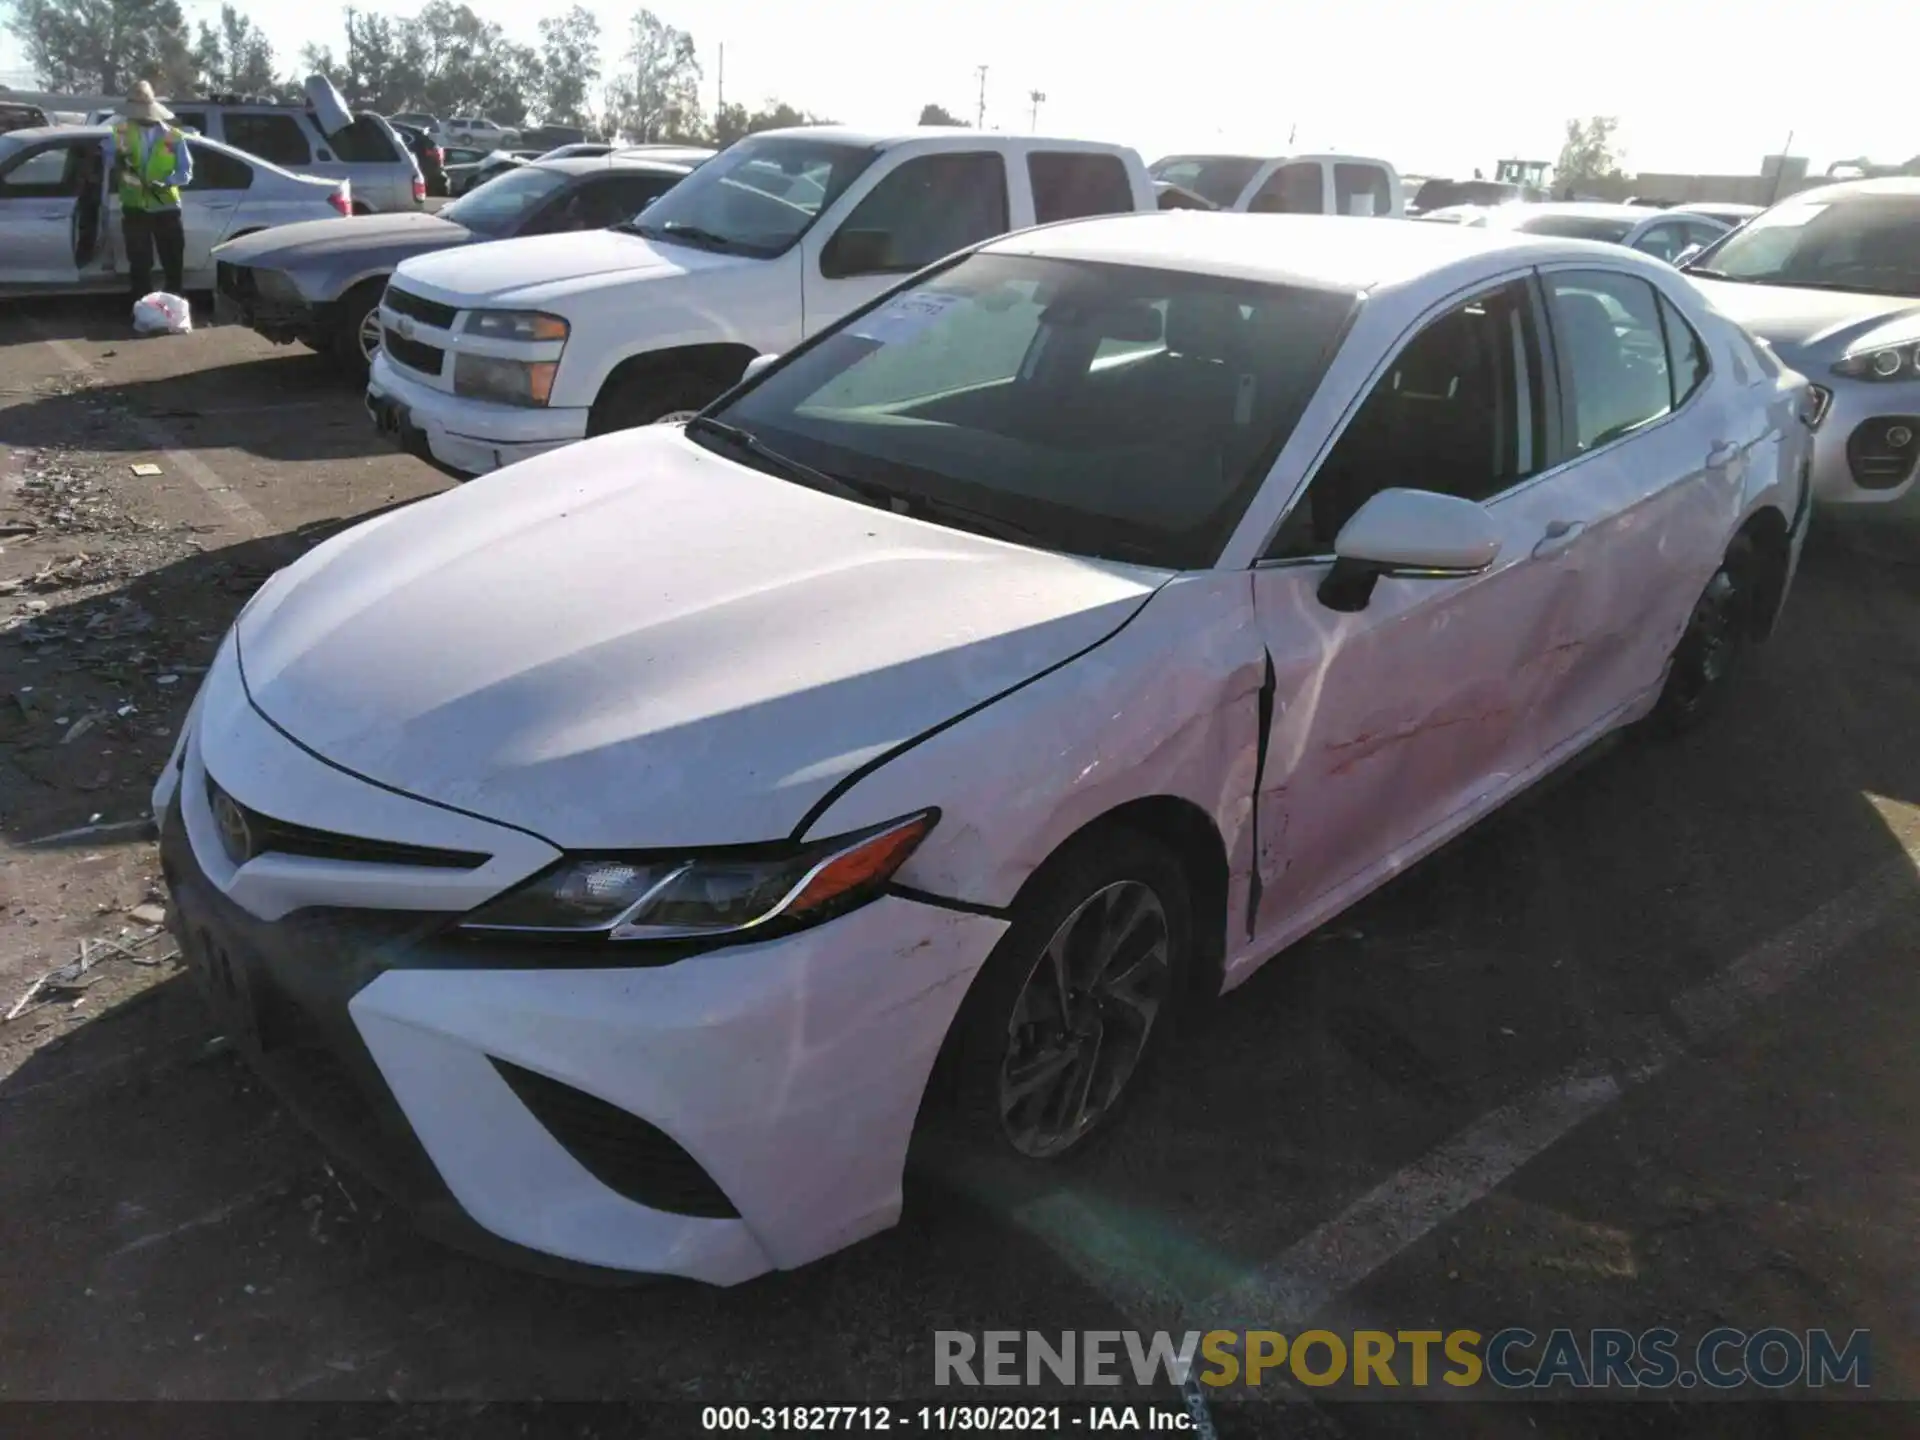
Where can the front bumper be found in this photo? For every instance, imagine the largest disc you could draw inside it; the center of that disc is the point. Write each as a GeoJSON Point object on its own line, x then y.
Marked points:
{"type": "Point", "coordinates": [1856, 407]}
{"type": "Point", "coordinates": [238, 300]}
{"type": "Point", "coordinates": [470, 437]}
{"type": "Point", "coordinates": [786, 1075]}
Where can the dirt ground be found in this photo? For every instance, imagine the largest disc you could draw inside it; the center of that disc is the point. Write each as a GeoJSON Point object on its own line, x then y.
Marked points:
{"type": "Point", "coordinates": [1639, 1052]}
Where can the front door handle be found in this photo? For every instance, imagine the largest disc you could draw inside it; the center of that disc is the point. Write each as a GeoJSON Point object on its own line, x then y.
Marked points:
{"type": "Point", "coordinates": [1722, 455]}
{"type": "Point", "coordinates": [1560, 534]}
{"type": "Point", "coordinates": [218, 205]}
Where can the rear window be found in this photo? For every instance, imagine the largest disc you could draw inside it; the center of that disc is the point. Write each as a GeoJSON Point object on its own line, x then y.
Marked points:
{"type": "Point", "coordinates": [1067, 186]}
{"type": "Point", "coordinates": [364, 142]}
{"type": "Point", "coordinates": [275, 136]}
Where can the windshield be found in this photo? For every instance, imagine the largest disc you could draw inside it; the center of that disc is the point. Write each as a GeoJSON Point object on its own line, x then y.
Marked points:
{"type": "Point", "coordinates": [498, 206]}
{"type": "Point", "coordinates": [1219, 178]}
{"type": "Point", "coordinates": [1101, 410]}
{"type": "Point", "coordinates": [1577, 227]}
{"type": "Point", "coordinates": [757, 197]}
{"type": "Point", "coordinates": [1868, 243]}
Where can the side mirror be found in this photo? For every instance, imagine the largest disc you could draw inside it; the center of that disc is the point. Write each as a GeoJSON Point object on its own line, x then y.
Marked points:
{"type": "Point", "coordinates": [756, 365]}
{"type": "Point", "coordinates": [857, 252]}
{"type": "Point", "coordinates": [1410, 533]}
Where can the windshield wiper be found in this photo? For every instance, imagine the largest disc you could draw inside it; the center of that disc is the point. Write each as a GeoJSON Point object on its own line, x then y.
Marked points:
{"type": "Point", "coordinates": [793, 469]}
{"type": "Point", "coordinates": [684, 233]}
{"type": "Point", "coordinates": [1711, 274]}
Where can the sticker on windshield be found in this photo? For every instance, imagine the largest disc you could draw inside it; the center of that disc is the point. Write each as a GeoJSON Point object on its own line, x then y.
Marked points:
{"type": "Point", "coordinates": [905, 315]}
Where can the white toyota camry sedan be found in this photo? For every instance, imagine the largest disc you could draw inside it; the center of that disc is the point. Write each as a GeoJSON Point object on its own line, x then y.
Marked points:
{"type": "Point", "coordinates": [624, 855]}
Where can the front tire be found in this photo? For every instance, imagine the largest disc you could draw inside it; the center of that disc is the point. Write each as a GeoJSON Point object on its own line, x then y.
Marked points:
{"type": "Point", "coordinates": [1064, 1023]}
{"type": "Point", "coordinates": [652, 397]}
{"type": "Point", "coordinates": [1713, 647]}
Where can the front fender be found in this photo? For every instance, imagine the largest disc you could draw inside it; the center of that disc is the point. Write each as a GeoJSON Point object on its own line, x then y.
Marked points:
{"type": "Point", "coordinates": [1167, 706]}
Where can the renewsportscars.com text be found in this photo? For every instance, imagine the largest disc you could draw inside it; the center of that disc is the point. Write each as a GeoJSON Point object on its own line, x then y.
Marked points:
{"type": "Point", "coordinates": [1513, 1358]}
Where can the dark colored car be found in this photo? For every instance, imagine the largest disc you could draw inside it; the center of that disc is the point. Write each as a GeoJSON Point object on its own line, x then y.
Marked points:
{"type": "Point", "coordinates": [320, 283]}
{"type": "Point", "coordinates": [18, 115]}
{"type": "Point", "coordinates": [427, 154]}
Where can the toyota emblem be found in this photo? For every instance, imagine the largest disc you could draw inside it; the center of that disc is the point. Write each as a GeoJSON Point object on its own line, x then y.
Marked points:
{"type": "Point", "coordinates": [235, 838]}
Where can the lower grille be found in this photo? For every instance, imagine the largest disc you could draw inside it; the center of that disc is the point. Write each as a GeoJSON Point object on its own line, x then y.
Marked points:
{"type": "Point", "coordinates": [411, 353]}
{"type": "Point", "coordinates": [1881, 452]}
{"type": "Point", "coordinates": [619, 1149]}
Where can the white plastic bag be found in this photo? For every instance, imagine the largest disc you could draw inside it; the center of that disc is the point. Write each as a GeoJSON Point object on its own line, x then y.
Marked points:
{"type": "Point", "coordinates": [162, 314]}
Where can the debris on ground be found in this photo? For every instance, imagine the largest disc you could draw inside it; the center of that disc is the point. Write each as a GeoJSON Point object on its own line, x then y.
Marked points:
{"type": "Point", "coordinates": [145, 470]}
{"type": "Point", "coordinates": [61, 982]}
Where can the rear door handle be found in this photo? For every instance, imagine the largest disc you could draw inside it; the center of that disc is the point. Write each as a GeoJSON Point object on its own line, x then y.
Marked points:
{"type": "Point", "coordinates": [1722, 455]}
{"type": "Point", "coordinates": [1560, 534]}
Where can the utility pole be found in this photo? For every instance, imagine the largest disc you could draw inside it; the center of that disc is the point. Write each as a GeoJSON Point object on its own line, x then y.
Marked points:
{"type": "Point", "coordinates": [980, 113]}
{"type": "Point", "coordinates": [1036, 96]}
{"type": "Point", "coordinates": [720, 88]}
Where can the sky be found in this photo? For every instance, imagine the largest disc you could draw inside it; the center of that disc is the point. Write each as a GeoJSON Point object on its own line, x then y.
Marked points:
{"type": "Point", "coordinates": [1431, 89]}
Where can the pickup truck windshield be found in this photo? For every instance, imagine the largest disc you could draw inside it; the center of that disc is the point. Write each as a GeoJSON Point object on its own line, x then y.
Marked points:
{"type": "Point", "coordinates": [496, 208]}
{"type": "Point", "coordinates": [1103, 410]}
{"type": "Point", "coordinates": [1219, 178]}
{"type": "Point", "coordinates": [1867, 243]}
{"type": "Point", "coordinates": [756, 197]}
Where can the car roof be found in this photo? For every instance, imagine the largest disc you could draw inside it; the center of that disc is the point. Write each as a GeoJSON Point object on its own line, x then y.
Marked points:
{"type": "Point", "coordinates": [601, 164]}
{"type": "Point", "coordinates": [1333, 252]}
{"type": "Point", "coordinates": [1850, 189]}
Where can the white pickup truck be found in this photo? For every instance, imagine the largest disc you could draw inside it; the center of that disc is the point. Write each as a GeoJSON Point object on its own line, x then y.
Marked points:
{"type": "Point", "coordinates": [1287, 184]}
{"type": "Point", "coordinates": [497, 352]}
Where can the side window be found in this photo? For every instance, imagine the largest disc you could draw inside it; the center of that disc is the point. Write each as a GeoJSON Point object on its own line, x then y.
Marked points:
{"type": "Point", "coordinates": [363, 142]}
{"type": "Point", "coordinates": [273, 135]}
{"type": "Point", "coordinates": [922, 212]}
{"type": "Point", "coordinates": [217, 170]}
{"type": "Point", "coordinates": [1067, 186]}
{"type": "Point", "coordinates": [1664, 241]}
{"type": "Point", "coordinates": [1361, 190]}
{"type": "Point", "coordinates": [1608, 328]}
{"type": "Point", "coordinates": [1698, 234]}
{"type": "Point", "coordinates": [1460, 410]}
{"type": "Point", "coordinates": [194, 120]}
{"type": "Point", "coordinates": [47, 174]}
{"type": "Point", "coordinates": [1291, 190]}
{"type": "Point", "coordinates": [1686, 354]}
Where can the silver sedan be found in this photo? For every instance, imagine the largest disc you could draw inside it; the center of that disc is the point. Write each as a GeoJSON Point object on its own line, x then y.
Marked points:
{"type": "Point", "coordinates": [60, 219]}
{"type": "Point", "coordinates": [1664, 234]}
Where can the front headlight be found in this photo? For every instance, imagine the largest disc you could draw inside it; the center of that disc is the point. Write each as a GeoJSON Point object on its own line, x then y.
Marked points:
{"type": "Point", "coordinates": [516, 325]}
{"type": "Point", "coordinates": [510, 382]}
{"type": "Point", "coordinates": [1881, 362]}
{"type": "Point", "coordinates": [690, 897]}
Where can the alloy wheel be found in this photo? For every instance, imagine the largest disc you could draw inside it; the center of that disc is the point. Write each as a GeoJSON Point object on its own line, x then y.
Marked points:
{"type": "Point", "coordinates": [370, 334]}
{"type": "Point", "coordinates": [1081, 1021]}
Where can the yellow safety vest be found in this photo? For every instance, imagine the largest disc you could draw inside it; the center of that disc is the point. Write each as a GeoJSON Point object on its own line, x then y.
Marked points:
{"type": "Point", "coordinates": [143, 178]}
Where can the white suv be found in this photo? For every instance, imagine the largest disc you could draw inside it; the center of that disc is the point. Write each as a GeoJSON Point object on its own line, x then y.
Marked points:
{"type": "Point", "coordinates": [506, 350]}
{"type": "Point", "coordinates": [476, 132]}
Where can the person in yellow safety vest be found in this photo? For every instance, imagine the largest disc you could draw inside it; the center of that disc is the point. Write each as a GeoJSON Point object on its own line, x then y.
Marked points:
{"type": "Point", "coordinates": [150, 162]}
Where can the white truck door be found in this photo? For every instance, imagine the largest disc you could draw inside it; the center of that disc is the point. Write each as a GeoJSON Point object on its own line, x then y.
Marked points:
{"type": "Point", "coordinates": [898, 220]}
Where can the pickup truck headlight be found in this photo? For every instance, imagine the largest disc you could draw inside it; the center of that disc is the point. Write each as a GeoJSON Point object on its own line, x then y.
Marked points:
{"type": "Point", "coordinates": [510, 382]}
{"type": "Point", "coordinates": [516, 325]}
{"type": "Point", "coordinates": [1881, 362]}
{"type": "Point", "coordinates": [763, 889]}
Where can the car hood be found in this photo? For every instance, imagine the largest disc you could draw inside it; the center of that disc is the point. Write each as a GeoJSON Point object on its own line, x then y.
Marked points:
{"type": "Point", "coordinates": [398, 235]}
{"type": "Point", "coordinates": [1805, 325]}
{"type": "Point", "coordinates": [542, 268]}
{"type": "Point", "coordinates": [634, 642]}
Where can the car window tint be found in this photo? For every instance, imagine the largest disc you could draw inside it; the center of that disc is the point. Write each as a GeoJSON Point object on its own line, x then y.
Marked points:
{"type": "Point", "coordinates": [1686, 353]}
{"type": "Point", "coordinates": [1362, 190]}
{"type": "Point", "coordinates": [1067, 186]}
{"type": "Point", "coordinates": [1663, 241]}
{"type": "Point", "coordinates": [274, 136]}
{"type": "Point", "coordinates": [1607, 327]}
{"type": "Point", "coordinates": [925, 210]}
{"type": "Point", "coordinates": [44, 175]}
{"type": "Point", "coordinates": [1291, 190]}
{"type": "Point", "coordinates": [1461, 410]}
{"type": "Point", "coordinates": [217, 170]}
{"type": "Point", "coordinates": [195, 120]}
{"type": "Point", "coordinates": [364, 142]}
